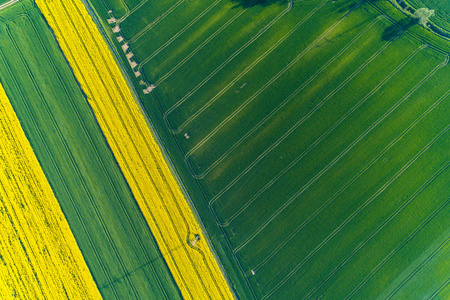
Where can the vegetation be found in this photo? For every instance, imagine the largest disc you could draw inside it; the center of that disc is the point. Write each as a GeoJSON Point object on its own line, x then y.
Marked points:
{"type": "Point", "coordinates": [423, 14]}
{"type": "Point", "coordinates": [180, 238]}
{"type": "Point", "coordinates": [312, 134]}
{"type": "Point", "coordinates": [39, 256]}
{"type": "Point", "coordinates": [441, 8]}
{"type": "Point", "coordinates": [105, 219]}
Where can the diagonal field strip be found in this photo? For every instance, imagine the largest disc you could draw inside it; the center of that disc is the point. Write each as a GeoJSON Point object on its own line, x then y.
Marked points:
{"type": "Point", "coordinates": [249, 100]}
{"type": "Point", "coordinates": [72, 159]}
{"type": "Point", "coordinates": [179, 33]}
{"type": "Point", "coordinates": [40, 258]}
{"type": "Point", "coordinates": [110, 183]}
{"type": "Point", "coordinates": [356, 212]}
{"type": "Point", "coordinates": [351, 181]}
{"type": "Point", "coordinates": [253, 64]}
{"type": "Point", "coordinates": [378, 229]}
{"type": "Point", "coordinates": [155, 22]}
{"type": "Point", "coordinates": [417, 269]}
{"type": "Point", "coordinates": [399, 247]}
{"type": "Point", "coordinates": [61, 177]}
{"type": "Point", "coordinates": [285, 101]}
{"type": "Point", "coordinates": [212, 36]}
{"type": "Point", "coordinates": [338, 158]}
{"type": "Point", "coordinates": [157, 192]}
{"type": "Point", "coordinates": [326, 133]}
{"type": "Point", "coordinates": [301, 121]}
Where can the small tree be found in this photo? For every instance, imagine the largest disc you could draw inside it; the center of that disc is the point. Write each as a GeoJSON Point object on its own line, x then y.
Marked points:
{"type": "Point", "coordinates": [423, 14]}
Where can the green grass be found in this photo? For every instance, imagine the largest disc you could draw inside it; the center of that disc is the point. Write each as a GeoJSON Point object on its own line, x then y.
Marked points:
{"type": "Point", "coordinates": [317, 150]}
{"type": "Point", "coordinates": [110, 230]}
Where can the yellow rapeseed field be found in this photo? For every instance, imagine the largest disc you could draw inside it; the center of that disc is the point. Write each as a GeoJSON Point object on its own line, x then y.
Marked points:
{"type": "Point", "coordinates": [39, 257]}
{"type": "Point", "coordinates": [157, 192]}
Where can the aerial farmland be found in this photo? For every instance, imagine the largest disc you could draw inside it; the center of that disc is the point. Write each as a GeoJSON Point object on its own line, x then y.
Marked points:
{"type": "Point", "coordinates": [109, 228]}
{"type": "Point", "coordinates": [227, 149]}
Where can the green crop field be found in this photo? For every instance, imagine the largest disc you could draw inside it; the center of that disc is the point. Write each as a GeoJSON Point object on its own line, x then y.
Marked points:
{"type": "Point", "coordinates": [110, 230]}
{"type": "Point", "coordinates": [312, 136]}
{"type": "Point", "coordinates": [440, 7]}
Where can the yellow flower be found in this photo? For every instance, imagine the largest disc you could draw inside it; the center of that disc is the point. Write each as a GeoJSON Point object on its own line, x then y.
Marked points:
{"type": "Point", "coordinates": [39, 257]}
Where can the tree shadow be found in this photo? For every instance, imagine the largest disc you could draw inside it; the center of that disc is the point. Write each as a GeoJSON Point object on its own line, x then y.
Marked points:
{"type": "Point", "coordinates": [251, 3]}
{"type": "Point", "coordinates": [345, 6]}
{"type": "Point", "coordinates": [397, 29]}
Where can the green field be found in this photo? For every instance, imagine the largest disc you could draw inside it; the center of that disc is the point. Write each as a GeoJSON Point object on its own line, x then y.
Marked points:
{"type": "Point", "coordinates": [312, 136]}
{"type": "Point", "coordinates": [111, 232]}
{"type": "Point", "coordinates": [441, 8]}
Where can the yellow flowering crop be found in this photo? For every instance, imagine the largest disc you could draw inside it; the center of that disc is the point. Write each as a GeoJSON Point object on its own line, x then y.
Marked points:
{"type": "Point", "coordinates": [158, 194]}
{"type": "Point", "coordinates": [39, 257]}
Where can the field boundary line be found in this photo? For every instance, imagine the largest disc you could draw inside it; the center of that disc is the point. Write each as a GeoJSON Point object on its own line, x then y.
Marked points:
{"type": "Point", "coordinates": [100, 160]}
{"type": "Point", "coordinates": [131, 11]}
{"type": "Point", "coordinates": [338, 158]}
{"type": "Point", "coordinates": [399, 247]}
{"type": "Point", "coordinates": [179, 33]}
{"type": "Point", "coordinates": [236, 53]}
{"type": "Point", "coordinates": [83, 224]}
{"type": "Point", "coordinates": [158, 19]}
{"type": "Point", "coordinates": [301, 121]}
{"type": "Point", "coordinates": [378, 229]}
{"type": "Point", "coordinates": [351, 181]}
{"type": "Point", "coordinates": [356, 212]}
{"type": "Point", "coordinates": [146, 167]}
{"type": "Point", "coordinates": [211, 37]}
{"type": "Point", "coordinates": [101, 117]}
{"type": "Point", "coordinates": [328, 131]}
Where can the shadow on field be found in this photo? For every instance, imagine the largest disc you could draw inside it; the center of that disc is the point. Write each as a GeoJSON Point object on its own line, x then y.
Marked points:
{"type": "Point", "coordinates": [250, 3]}
{"type": "Point", "coordinates": [345, 6]}
{"type": "Point", "coordinates": [395, 29]}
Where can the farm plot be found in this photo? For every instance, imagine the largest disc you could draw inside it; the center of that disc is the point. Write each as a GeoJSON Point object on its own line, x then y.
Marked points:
{"type": "Point", "coordinates": [109, 228]}
{"type": "Point", "coordinates": [39, 256]}
{"type": "Point", "coordinates": [182, 242]}
{"type": "Point", "coordinates": [317, 132]}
